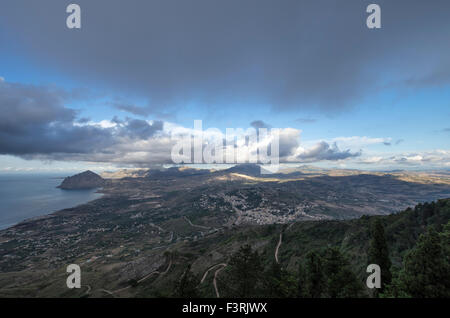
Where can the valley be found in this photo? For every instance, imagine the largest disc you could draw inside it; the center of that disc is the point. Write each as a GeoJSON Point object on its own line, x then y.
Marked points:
{"type": "Point", "coordinates": [137, 239]}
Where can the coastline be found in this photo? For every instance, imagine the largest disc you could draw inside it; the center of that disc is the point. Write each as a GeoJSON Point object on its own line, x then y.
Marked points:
{"type": "Point", "coordinates": [51, 213]}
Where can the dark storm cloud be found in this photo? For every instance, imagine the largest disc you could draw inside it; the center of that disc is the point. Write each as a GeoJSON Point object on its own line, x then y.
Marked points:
{"type": "Point", "coordinates": [286, 53]}
{"type": "Point", "coordinates": [35, 121]}
{"type": "Point", "coordinates": [36, 124]}
{"type": "Point", "coordinates": [141, 129]}
{"type": "Point", "coordinates": [28, 105]}
{"type": "Point", "coordinates": [55, 138]}
{"type": "Point", "coordinates": [323, 151]}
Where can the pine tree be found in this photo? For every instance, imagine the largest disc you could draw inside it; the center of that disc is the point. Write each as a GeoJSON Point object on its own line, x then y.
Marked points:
{"type": "Point", "coordinates": [279, 283]}
{"type": "Point", "coordinates": [379, 254]}
{"type": "Point", "coordinates": [272, 281]}
{"type": "Point", "coordinates": [340, 279]}
{"type": "Point", "coordinates": [186, 287]}
{"type": "Point", "coordinates": [445, 241]}
{"type": "Point", "coordinates": [395, 288]}
{"type": "Point", "coordinates": [314, 279]}
{"type": "Point", "coordinates": [244, 273]}
{"type": "Point", "coordinates": [301, 285]}
{"type": "Point", "coordinates": [426, 270]}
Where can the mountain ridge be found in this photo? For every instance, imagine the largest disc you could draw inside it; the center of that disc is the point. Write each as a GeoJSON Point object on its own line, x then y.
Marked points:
{"type": "Point", "coordinates": [83, 180]}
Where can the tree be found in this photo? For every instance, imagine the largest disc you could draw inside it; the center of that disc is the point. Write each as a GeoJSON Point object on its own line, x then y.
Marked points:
{"type": "Point", "coordinates": [244, 273]}
{"type": "Point", "coordinates": [279, 283]}
{"type": "Point", "coordinates": [314, 279]}
{"type": "Point", "coordinates": [186, 287]}
{"type": "Point", "coordinates": [394, 289]}
{"type": "Point", "coordinates": [426, 271]}
{"type": "Point", "coordinates": [445, 242]}
{"type": "Point", "coordinates": [340, 280]}
{"type": "Point", "coordinates": [301, 286]}
{"type": "Point", "coordinates": [378, 253]}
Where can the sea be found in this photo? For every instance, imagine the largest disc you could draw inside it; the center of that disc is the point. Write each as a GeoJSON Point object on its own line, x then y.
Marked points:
{"type": "Point", "coordinates": [28, 195]}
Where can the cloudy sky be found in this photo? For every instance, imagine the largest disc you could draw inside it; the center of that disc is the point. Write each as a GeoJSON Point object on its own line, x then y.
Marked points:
{"type": "Point", "coordinates": [112, 93]}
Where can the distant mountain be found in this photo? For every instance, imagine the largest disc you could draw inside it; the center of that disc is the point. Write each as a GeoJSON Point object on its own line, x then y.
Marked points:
{"type": "Point", "coordinates": [176, 172]}
{"type": "Point", "coordinates": [84, 180]}
{"type": "Point", "coordinates": [255, 170]}
{"type": "Point", "coordinates": [249, 169]}
{"type": "Point", "coordinates": [125, 173]}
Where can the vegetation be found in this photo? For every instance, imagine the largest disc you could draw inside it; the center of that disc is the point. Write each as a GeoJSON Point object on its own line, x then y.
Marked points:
{"type": "Point", "coordinates": [279, 283]}
{"type": "Point", "coordinates": [378, 254]}
{"type": "Point", "coordinates": [339, 278]}
{"type": "Point", "coordinates": [244, 277]}
{"type": "Point", "coordinates": [314, 281]}
{"type": "Point", "coordinates": [326, 258]}
{"type": "Point", "coordinates": [186, 287]}
{"type": "Point", "coordinates": [423, 269]}
{"type": "Point", "coordinates": [426, 271]}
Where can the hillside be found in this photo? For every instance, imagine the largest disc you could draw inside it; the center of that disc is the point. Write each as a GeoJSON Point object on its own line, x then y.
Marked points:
{"type": "Point", "coordinates": [84, 180]}
{"type": "Point", "coordinates": [149, 266]}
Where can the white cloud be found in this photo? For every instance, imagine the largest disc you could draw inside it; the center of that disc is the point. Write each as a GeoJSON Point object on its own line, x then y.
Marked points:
{"type": "Point", "coordinates": [373, 159]}
{"type": "Point", "coordinates": [359, 141]}
{"type": "Point", "coordinates": [427, 159]}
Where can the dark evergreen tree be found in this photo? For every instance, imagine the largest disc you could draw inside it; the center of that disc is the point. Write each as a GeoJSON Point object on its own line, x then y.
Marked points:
{"type": "Point", "coordinates": [426, 270]}
{"type": "Point", "coordinates": [186, 287]}
{"type": "Point", "coordinates": [394, 289]}
{"type": "Point", "coordinates": [378, 253]}
{"type": "Point", "coordinates": [245, 271]}
{"type": "Point", "coordinates": [279, 283]}
{"type": "Point", "coordinates": [272, 281]}
{"type": "Point", "coordinates": [314, 283]}
{"type": "Point", "coordinates": [445, 242]}
{"type": "Point", "coordinates": [340, 280]}
{"type": "Point", "coordinates": [301, 286]}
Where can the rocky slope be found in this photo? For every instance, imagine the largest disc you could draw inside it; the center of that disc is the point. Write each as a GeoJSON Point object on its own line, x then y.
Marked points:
{"type": "Point", "coordinates": [84, 180]}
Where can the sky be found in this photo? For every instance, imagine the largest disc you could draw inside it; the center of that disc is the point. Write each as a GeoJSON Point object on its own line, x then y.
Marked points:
{"type": "Point", "coordinates": [114, 93]}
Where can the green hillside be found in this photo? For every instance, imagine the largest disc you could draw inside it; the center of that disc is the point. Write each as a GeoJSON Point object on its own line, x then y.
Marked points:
{"type": "Point", "coordinates": [351, 237]}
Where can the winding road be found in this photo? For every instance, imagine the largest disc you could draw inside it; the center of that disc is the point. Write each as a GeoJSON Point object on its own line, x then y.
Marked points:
{"type": "Point", "coordinates": [222, 266]}
{"type": "Point", "coordinates": [278, 247]}
{"type": "Point", "coordinates": [112, 293]}
{"type": "Point", "coordinates": [195, 225]}
{"type": "Point", "coordinates": [207, 271]}
{"type": "Point", "coordinates": [215, 279]}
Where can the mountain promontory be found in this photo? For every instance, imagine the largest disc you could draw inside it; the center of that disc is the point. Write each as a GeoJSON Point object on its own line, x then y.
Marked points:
{"type": "Point", "coordinates": [84, 180]}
